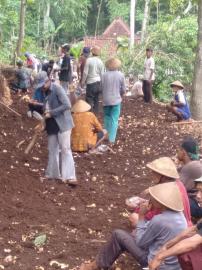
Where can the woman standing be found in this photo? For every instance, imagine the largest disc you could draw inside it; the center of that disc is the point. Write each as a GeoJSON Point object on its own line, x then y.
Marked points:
{"type": "Point", "coordinates": [113, 88]}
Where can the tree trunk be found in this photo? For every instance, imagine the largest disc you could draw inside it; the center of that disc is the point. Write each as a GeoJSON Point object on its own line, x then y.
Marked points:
{"type": "Point", "coordinates": [45, 21]}
{"type": "Point", "coordinates": [145, 20]}
{"type": "Point", "coordinates": [132, 23]}
{"type": "Point", "coordinates": [22, 27]}
{"type": "Point", "coordinates": [98, 18]}
{"type": "Point", "coordinates": [196, 95]}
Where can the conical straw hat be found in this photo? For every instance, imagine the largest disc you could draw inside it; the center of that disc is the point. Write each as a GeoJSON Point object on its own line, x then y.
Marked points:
{"type": "Point", "coordinates": [168, 194]}
{"type": "Point", "coordinates": [113, 64]}
{"type": "Point", "coordinates": [81, 106]}
{"type": "Point", "coordinates": [178, 84]}
{"type": "Point", "coordinates": [164, 166]}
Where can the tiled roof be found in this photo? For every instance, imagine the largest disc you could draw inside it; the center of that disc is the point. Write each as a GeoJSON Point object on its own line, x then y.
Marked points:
{"type": "Point", "coordinates": [117, 28]}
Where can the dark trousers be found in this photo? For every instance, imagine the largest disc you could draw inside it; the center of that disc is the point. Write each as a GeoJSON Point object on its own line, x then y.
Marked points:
{"type": "Point", "coordinates": [36, 107]}
{"type": "Point", "coordinates": [121, 241]}
{"type": "Point", "coordinates": [147, 91]}
{"type": "Point", "coordinates": [92, 96]}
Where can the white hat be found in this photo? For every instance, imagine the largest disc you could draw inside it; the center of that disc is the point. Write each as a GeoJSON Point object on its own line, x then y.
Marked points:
{"type": "Point", "coordinates": [199, 180]}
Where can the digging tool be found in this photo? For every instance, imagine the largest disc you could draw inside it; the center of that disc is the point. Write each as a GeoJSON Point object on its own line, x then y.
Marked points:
{"type": "Point", "coordinates": [11, 110]}
{"type": "Point", "coordinates": [188, 122]}
{"type": "Point", "coordinates": [38, 129]}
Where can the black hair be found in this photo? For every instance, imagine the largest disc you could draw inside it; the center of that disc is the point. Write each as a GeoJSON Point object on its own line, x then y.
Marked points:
{"type": "Point", "coordinates": [149, 50]}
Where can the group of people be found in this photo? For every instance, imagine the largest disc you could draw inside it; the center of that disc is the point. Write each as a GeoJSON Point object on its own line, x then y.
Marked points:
{"type": "Point", "coordinates": [163, 212]}
{"type": "Point", "coordinates": [162, 219]}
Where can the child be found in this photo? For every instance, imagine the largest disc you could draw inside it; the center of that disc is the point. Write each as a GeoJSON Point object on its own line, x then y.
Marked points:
{"type": "Point", "coordinates": [179, 106]}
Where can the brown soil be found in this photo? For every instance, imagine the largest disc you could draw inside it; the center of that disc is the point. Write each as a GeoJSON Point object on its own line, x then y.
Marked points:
{"type": "Point", "coordinates": [76, 221]}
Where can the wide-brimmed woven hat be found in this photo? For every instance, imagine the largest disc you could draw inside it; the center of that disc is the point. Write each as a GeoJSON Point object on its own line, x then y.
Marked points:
{"type": "Point", "coordinates": [164, 166]}
{"type": "Point", "coordinates": [168, 194]}
{"type": "Point", "coordinates": [96, 50]}
{"type": "Point", "coordinates": [178, 84]}
{"type": "Point", "coordinates": [113, 63]}
{"type": "Point", "coordinates": [81, 106]}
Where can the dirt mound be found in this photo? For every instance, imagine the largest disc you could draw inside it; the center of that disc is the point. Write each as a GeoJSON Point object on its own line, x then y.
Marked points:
{"type": "Point", "coordinates": [75, 221]}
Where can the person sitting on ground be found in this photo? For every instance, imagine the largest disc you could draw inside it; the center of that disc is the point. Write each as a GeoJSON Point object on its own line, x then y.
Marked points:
{"type": "Point", "coordinates": [188, 154]}
{"type": "Point", "coordinates": [36, 104]}
{"type": "Point", "coordinates": [196, 199]}
{"type": "Point", "coordinates": [188, 243]}
{"type": "Point", "coordinates": [179, 106]}
{"type": "Point", "coordinates": [23, 77]}
{"type": "Point", "coordinates": [113, 88]}
{"type": "Point", "coordinates": [163, 171]}
{"type": "Point", "coordinates": [87, 132]}
{"type": "Point", "coordinates": [136, 90]}
{"type": "Point", "coordinates": [145, 241]}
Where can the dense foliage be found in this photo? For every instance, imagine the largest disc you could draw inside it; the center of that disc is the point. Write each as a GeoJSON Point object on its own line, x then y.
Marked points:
{"type": "Point", "coordinates": [49, 23]}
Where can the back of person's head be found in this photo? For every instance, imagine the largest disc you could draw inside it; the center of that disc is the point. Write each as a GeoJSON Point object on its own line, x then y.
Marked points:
{"type": "Point", "coordinates": [66, 47]}
{"type": "Point", "coordinates": [51, 62]}
{"type": "Point", "coordinates": [190, 145]}
{"type": "Point", "coordinates": [19, 63]}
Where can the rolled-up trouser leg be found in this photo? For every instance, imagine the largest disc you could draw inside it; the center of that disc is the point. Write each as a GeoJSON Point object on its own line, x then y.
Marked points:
{"type": "Point", "coordinates": [67, 161]}
{"type": "Point", "coordinates": [53, 170]}
{"type": "Point", "coordinates": [120, 242]}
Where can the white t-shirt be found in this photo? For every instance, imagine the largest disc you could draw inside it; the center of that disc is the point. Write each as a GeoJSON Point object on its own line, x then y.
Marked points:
{"type": "Point", "coordinates": [181, 97]}
{"type": "Point", "coordinates": [137, 89]}
{"type": "Point", "coordinates": [149, 65]}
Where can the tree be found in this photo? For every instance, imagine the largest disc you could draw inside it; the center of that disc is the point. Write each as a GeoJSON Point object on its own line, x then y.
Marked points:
{"type": "Point", "coordinates": [132, 23]}
{"type": "Point", "coordinates": [145, 20]}
{"type": "Point", "coordinates": [21, 27]}
{"type": "Point", "coordinates": [196, 96]}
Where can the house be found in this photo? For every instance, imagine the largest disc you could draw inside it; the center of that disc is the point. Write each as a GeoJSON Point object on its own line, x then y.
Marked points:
{"type": "Point", "coordinates": [108, 40]}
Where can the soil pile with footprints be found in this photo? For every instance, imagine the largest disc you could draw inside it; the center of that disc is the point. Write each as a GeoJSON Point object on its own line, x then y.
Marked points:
{"type": "Point", "coordinates": [48, 225]}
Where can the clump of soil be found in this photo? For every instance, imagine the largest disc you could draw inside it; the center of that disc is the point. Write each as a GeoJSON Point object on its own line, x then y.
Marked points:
{"type": "Point", "coordinates": [76, 221]}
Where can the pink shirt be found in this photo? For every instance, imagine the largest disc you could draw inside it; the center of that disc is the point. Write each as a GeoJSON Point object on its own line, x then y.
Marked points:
{"type": "Point", "coordinates": [185, 199]}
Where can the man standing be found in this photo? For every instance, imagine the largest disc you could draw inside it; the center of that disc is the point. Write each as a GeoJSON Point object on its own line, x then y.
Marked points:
{"type": "Point", "coordinates": [65, 75]}
{"type": "Point", "coordinates": [149, 75]}
{"type": "Point", "coordinates": [59, 123]}
{"type": "Point", "coordinates": [93, 70]}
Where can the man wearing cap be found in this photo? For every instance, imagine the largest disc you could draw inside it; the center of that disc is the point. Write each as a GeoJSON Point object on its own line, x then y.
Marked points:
{"type": "Point", "coordinates": [87, 132]}
{"type": "Point", "coordinates": [65, 75]}
{"type": "Point", "coordinates": [58, 125]}
{"type": "Point", "coordinates": [23, 77]}
{"type": "Point", "coordinates": [144, 243]}
{"type": "Point", "coordinates": [82, 61]}
{"type": "Point", "coordinates": [179, 106]}
{"type": "Point", "coordinates": [93, 70]}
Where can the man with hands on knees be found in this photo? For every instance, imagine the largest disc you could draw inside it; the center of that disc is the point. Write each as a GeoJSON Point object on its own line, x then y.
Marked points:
{"type": "Point", "coordinates": [58, 125]}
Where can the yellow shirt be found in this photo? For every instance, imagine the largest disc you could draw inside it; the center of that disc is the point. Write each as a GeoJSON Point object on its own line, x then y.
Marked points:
{"type": "Point", "coordinates": [84, 134]}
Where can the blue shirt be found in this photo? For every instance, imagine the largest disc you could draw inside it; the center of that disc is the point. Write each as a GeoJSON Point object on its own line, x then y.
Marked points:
{"type": "Point", "coordinates": [184, 109]}
{"type": "Point", "coordinates": [39, 95]}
